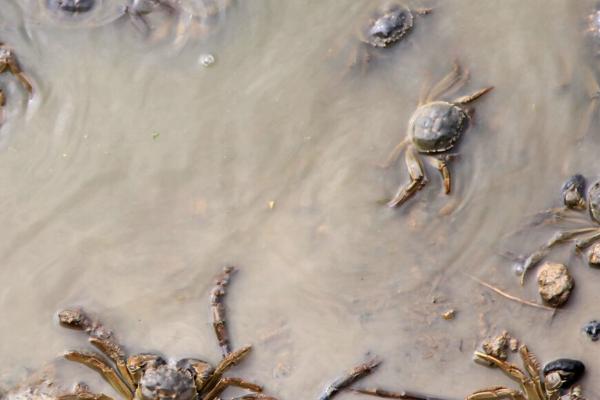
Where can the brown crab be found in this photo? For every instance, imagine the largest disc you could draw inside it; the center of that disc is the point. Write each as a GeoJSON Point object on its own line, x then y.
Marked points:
{"type": "Point", "coordinates": [387, 26]}
{"type": "Point", "coordinates": [434, 128]}
{"type": "Point", "coordinates": [151, 377]}
{"type": "Point", "coordinates": [536, 384]}
{"type": "Point", "coordinates": [8, 62]}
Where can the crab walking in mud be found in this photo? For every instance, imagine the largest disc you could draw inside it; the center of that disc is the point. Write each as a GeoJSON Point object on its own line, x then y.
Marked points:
{"type": "Point", "coordinates": [8, 62]}
{"type": "Point", "coordinates": [386, 27]}
{"type": "Point", "coordinates": [348, 379]}
{"type": "Point", "coordinates": [536, 384]}
{"type": "Point", "coordinates": [434, 128]}
{"type": "Point", "coordinates": [150, 376]}
{"type": "Point", "coordinates": [573, 192]}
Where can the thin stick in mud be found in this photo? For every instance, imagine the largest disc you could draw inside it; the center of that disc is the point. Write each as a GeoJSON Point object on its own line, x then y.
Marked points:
{"type": "Point", "coordinates": [511, 297]}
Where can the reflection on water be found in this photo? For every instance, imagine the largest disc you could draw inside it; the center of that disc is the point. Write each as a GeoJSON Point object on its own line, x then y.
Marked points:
{"type": "Point", "coordinates": [135, 173]}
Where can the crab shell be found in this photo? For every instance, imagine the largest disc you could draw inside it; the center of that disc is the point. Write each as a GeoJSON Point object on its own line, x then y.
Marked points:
{"type": "Point", "coordinates": [436, 127]}
{"type": "Point", "coordinates": [166, 382]}
{"type": "Point", "coordinates": [72, 6]}
{"type": "Point", "coordinates": [594, 201]}
{"type": "Point", "coordinates": [393, 23]}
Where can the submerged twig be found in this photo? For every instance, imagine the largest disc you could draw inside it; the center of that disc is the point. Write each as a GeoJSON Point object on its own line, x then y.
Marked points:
{"type": "Point", "coordinates": [358, 372]}
{"type": "Point", "coordinates": [510, 296]}
{"type": "Point", "coordinates": [218, 309]}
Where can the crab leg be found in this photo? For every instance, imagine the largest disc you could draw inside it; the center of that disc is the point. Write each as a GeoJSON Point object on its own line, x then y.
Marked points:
{"type": "Point", "coordinates": [395, 153]}
{"type": "Point", "coordinates": [139, 22]}
{"type": "Point", "coordinates": [229, 361]}
{"type": "Point", "coordinates": [113, 351]}
{"type": "Point", "coordinates": [82, 392]}
{"type": "Point", "coordinates": [472, 97]}
{"type": "Point", "coordinates": [442, 167]}
{"type": "Point", "coordinates": [558, 238]}
{"type": "Point", "coordinates": [16, 71]}
{"type": "Point", "coordinates": [417, 179]}
{"type": "Point", "coordinates": [532, 367]}
{"type": "Point", "coordinates": [512, 371]}
{"type": "Point", "coordinates": [217, 295]}
{"type": "Point", "coordinates": [100, 337]}
{"type": "Point", "coordinates": [226, 382]}
{"type": "Point", "coordinates": [444, 84]}
{"type": "Point", "coordinates": [95, 362]}
{"type": "Point", "coordinates": [496, 393]}
{"type": "Point", "coordinates": [386, 394]}
{"type": "Point", "coordinates": [584, 243]}
{"type": "Point", "coordinates": [349, 378]}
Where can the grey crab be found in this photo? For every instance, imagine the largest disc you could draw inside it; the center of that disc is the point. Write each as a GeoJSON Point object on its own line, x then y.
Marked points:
{"type": "Point", "coordinates": [388, 25]}
{"type": "Point", "coordinates": [149, 376]}
{"type": "Point", "coordinates": [587, 229]}
{"type": "Point", "coordinates": [434, 128]}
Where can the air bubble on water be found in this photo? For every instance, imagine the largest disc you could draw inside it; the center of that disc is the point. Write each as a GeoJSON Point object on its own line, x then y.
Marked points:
{"type": "Point", "coordinates": [206, 60]}
{"type": "Point", "coordinates": [518, 268]}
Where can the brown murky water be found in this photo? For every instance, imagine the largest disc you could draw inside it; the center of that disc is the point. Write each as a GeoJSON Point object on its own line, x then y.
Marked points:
{"type": "Point", "coordinates": [135, 173]}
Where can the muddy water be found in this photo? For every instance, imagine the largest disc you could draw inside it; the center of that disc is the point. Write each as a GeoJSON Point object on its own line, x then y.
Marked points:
{"type": "Point", "coordinates": [135, 173]}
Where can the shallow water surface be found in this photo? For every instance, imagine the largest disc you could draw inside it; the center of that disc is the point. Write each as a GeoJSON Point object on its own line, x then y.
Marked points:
{"type": "Point", "coordinates": [135, 173]}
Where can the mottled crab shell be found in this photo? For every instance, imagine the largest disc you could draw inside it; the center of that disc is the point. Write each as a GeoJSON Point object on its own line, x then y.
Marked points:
{"type": "Point", "coordinates": [167, 382]}
{"type": "Point", "coordinates": [594, 201]}
{"type": "Point", "coordinates": [436, 127]}
{"type": "Point", "coordinates": [389, 27]}
{"type": "Point", "coordinates": [71, 6]}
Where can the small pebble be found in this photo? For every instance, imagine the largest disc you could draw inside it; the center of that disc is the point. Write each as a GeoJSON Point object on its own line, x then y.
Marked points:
{"type": "Point", "coordinates": [592, 330]}
{"type": "Point", "coordinates": [554, 284]}
{"type": "Point", "coordinates": [594, 255]}
{"type": "Point", "coordinates": [449, 315]}
{"type": "Point", "coordinates": [206, 60]}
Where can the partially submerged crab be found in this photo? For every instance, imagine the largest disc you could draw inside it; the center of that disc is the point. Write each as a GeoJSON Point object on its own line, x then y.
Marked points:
{"type": "Point", "coordinates": [387, 26]}
{"type": "Point", "coordinates": [536, 384]}
{"type": "Point", "coordinates": [150, 376]}
{"type": "Point", "coordinates": [434, 128]}
{"type": "Point", "coordinates": [71, 6]}
{"type": "Point", "coordinates": [588, 230]}
{"type": "Point", "coordinates": [8, 62]}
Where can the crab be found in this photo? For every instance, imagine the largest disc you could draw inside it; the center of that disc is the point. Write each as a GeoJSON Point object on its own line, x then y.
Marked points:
{"type": "Point", "coordinates": [536, 384]}
{"type": "Point", "coordinates": [8, 62]}
{"type": "Point", "coordinates": [434, 128]}
{"type": "Point", "coordinates": [387, 26]}
{"type": "Point", "coordinates": [72, 6]}
{"type": "Point", "coordinates": [150, 376]}
{"type": "Point", "coordinates": [586, 230]}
